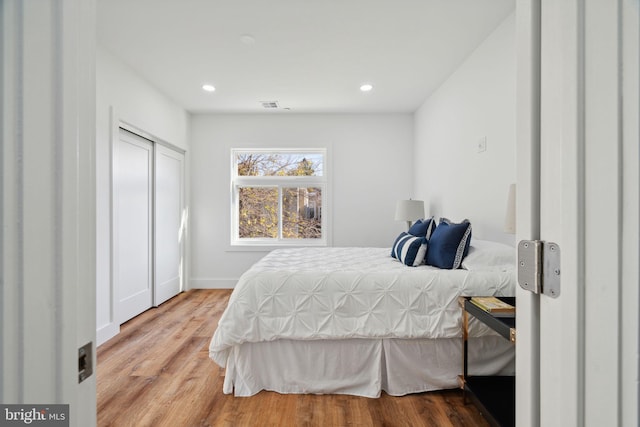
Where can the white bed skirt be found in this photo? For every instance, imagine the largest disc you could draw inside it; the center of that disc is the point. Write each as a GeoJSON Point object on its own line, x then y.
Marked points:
{"type": "Point", "coordinates": [361, 367]}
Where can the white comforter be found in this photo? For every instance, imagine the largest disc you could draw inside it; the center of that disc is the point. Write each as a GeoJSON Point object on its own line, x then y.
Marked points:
{"type": "Point", "coordinates": [333, 293]}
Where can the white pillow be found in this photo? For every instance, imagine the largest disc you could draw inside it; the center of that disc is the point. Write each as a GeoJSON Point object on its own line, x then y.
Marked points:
{"type": "Point", "coordinates": [487, 255]}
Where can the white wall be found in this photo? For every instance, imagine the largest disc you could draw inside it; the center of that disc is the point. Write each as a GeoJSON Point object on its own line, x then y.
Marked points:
{"type": "Point", "coordinates": [477, 100]}
{"type": "Point", "coordinates": [127, 97]}
{"type": "Point", "coordinates": [370, 158]}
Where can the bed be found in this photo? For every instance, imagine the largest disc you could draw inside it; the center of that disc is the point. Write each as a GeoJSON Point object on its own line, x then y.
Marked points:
{"type": "Point", "coordinates": [356, 321]}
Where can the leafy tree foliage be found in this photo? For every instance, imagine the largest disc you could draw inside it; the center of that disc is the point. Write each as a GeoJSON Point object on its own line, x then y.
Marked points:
{"type": "Point", "coordinates": [258, 206]}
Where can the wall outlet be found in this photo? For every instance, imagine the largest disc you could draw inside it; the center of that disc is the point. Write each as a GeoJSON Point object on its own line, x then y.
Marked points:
{"type": "Point", "coordinates": [482, 144]}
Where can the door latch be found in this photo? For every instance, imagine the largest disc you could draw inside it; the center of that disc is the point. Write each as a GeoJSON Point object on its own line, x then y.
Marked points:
{"type": "Point", "coordinates": [85, 361]}
{"type": "Point", "coordinates": [539, 267]}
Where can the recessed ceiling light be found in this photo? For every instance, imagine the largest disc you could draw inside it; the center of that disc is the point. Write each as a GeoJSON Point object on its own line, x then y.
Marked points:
{"type": "Point", "coordinates": [366, 87]}
{"type": "Point", "coordinates": [269, 104]}
{"type": "Point", "coordinates": [208, 88]}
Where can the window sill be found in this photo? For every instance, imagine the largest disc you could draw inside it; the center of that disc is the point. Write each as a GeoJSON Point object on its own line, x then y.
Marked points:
{"type": "Point", "coordinates": [268, 248]}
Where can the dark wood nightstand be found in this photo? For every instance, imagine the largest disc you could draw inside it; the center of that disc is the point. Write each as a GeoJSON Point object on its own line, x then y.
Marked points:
{"type": "Point", "coordinates": [495, 396]}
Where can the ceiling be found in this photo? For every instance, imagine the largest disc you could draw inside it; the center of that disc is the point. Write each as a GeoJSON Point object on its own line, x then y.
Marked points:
{"type": "Point", "coordinates": [310, 56]}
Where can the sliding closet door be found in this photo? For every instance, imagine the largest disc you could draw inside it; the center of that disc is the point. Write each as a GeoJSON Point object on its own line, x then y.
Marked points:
{"type": "Point", "coordinates": [132, 227]}
{"type": "Point", "coordinates": [168, 223]}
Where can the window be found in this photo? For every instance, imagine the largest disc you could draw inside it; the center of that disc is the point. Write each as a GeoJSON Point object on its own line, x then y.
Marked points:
{"type": "Point", "coordinates": [277, 197]}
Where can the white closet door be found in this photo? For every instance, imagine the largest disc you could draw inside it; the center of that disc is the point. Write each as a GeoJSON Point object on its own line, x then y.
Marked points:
{"type": "Point", "coordinates": [169, 224]}
{"type": "Point", "coordinates": [132, 228]}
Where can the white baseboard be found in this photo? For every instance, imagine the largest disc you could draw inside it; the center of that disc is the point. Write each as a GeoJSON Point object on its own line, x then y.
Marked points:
{"type": "Point", "coordinates": [212, 283]}
{"type": "Point", "coordinates": [106, 332]}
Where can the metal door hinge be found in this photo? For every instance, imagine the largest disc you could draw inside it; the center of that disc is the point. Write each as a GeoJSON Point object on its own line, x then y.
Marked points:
{"type": "Point", "coordinates": [539, 267]}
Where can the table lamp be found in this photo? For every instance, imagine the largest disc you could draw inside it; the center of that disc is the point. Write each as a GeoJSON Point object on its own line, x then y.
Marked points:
{"type": "Point", "coordinates": [409, 211]}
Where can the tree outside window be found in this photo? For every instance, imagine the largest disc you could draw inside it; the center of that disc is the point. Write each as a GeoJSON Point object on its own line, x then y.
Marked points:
{"type": "Point", "coordinates": [278, 196]}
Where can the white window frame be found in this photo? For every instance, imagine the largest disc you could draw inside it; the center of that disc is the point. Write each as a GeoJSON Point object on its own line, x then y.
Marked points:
{"type": "Point", "coordinates": [280, 182]}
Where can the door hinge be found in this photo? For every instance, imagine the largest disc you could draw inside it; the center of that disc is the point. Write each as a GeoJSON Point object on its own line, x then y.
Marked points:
{"type": "Point", "coordinates": [539, 267]}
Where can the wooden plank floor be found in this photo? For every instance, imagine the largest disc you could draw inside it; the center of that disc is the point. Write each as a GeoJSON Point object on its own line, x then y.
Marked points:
{"type": "Point", "coordinates": [157, 372]}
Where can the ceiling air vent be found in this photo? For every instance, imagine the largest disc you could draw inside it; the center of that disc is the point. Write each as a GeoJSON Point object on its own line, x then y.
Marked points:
{"type": "Point", "coordinates": [269, 104]}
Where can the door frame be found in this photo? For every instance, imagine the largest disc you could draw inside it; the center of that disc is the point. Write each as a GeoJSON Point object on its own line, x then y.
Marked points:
{"type": "Point", "coordinates": [577, 148]}
{"type": "Point", "coordinates": [630, 292]}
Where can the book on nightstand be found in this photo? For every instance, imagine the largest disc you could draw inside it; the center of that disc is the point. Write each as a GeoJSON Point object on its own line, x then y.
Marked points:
{"type": "Point", "coordinates": [494, 306]}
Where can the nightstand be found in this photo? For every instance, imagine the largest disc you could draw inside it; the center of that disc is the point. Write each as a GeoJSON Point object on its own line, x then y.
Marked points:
{"type": "Point", "coordinates": [495, 396]}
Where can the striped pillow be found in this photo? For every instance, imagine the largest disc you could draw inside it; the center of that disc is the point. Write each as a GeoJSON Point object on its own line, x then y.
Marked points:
{"type": "Point", "coordinates": [409, 250]}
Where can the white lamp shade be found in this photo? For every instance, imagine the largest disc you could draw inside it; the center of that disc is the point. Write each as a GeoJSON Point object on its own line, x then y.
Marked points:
{"type": "Point", "coordinates": [510, 217]}
{"type": "Point", "coordinates": [409, 210]}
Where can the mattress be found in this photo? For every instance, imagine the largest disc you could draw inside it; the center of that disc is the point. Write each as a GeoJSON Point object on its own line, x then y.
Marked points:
{"type": "Point", "coordinates": [312, 294]}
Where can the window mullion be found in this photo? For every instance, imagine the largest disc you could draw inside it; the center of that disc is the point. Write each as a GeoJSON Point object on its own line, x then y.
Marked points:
{"type": "Point", "coordinates": [280, 213]}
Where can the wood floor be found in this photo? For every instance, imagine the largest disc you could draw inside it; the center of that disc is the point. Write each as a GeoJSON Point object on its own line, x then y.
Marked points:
{"type": "Point", "coordinates": [157, 372]}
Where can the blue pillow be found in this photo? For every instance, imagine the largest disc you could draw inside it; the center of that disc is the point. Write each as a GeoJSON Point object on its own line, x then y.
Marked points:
{"type": "Point", "coordinates": [423, 228]}
{"type": "Point", "coordinates": [449, 244]}
{"type": "Point", "coordinates": [409, 250]}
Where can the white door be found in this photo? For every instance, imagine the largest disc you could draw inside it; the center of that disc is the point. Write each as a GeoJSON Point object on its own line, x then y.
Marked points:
{"type": "Point", "coordinates": [132, 225]}
{"type": "Point", "coordinates": [576, 360]}
{"type": "Point", "coordinates": [47, 206]}
{"type": "Point", "coordinates": [168, 223]}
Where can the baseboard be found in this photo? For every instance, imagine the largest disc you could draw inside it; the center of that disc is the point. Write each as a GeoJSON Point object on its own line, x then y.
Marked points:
{"type": "Point", "coordinates": [106, 332]}
{"type": "Point", "coordinates": [212, 283]}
